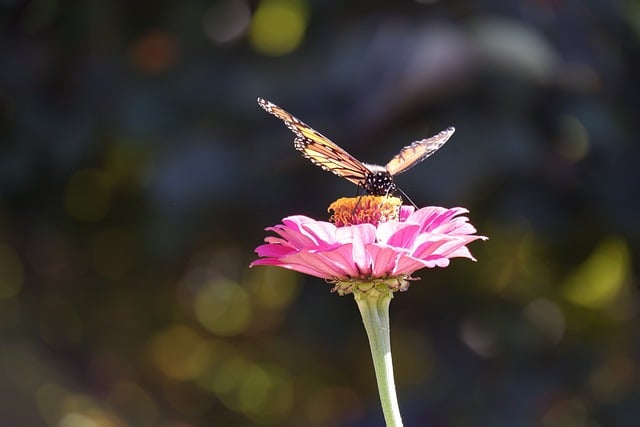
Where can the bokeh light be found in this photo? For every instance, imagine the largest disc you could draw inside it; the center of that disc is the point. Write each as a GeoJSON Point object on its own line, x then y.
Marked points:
{"type": "Point", "coordinates": [278, 26]}
{"type": "Point", "coordinates": [273, 289]}
{"type": "Point", "coordinates": [548, 320]}
{"type": "Point", "coordinates": [226, 21]}
{"type": "Point", "coordinates": [154, 52]}
{"type": "Point", "coordinates": [223, 307]}
{"type": "Point", "coordinates": [180, 352]}
{"type": "Point", "coordinates": [600, 278]}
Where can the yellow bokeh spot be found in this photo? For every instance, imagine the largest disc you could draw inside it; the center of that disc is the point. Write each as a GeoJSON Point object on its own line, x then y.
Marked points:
{"type": "Point", "coordinates": [265, 394]}
{"type": "Point", "coordinates": [277, 27]}
{"type": "Point", "coordinates": [229, 375]}
{"type": "Point", "coordinates": [273, 288]}
{"type": "Point", "coordinates": [88, 196]}
{"type": "Point", "coordinates": [600, 278]}
{"type": "Point", "coordinates": [180, 353]}
{"type": "Point", "coordinates": [254, 389]}
{"type": "Point", "coordinates": [11, 273]}
{"type": "Point", "coordinates": [223, 307]}
{"type": "Point", "coordinates": [260, 392]}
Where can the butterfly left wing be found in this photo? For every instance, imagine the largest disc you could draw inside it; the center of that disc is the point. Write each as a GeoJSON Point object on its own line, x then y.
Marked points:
{"type": "Point", "coordinates": [416, 152]}
{"type": "Point", "coordinates": [318, 148]}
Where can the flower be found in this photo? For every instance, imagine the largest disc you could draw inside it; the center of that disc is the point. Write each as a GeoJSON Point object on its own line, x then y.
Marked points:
{"type": "Point", "coordinates": [370, 249]}
{"type": "Point", "coordinates": [365, 247]}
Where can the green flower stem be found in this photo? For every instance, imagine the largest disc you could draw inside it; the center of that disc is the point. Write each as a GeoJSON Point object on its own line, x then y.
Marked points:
{"type": "Point", "coordinates": [374, 308]}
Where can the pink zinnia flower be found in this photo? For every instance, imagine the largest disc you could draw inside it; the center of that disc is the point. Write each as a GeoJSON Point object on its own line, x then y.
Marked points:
{"type": "Point", "coordinates": [373, 239]}
{"type": "Point", "coordinates": [371, 249]}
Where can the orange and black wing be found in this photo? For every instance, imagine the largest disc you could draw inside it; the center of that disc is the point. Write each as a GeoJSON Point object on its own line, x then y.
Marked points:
{"type": "Point", "coordinates": [318, 148]}
{"type": "Point", "coordinates": [416, 152]}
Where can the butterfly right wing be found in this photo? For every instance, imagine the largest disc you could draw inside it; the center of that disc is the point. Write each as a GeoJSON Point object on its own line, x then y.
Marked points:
{"type": "Point", "coordinates": [318, 148]}
{"type": "Point", "coordinates": [416, 152]}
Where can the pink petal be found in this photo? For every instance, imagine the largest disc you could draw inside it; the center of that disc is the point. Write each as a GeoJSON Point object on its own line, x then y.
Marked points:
{"type": "Point", "coordinates": [303, 268]}
{"type": "Point", "coordinates": [276, 251]}
{"type": "Point", "coordinates": [303, 231]}
{"type": "Point", "coordinates": [451, 249]}
{"type": "Point", "coordinates": [322, 233]}
{"type": "Point", "coordinates": [291, 235]}
{"type": "Point", "coordinates": [456, 226]}
{"type": "Point", "coordinates": [405, 212]}
{"type": "Point", "coordinates": [365, 233]}
{"type": "Point", "coordinates": [316, 263]}
{"type": "Point", "coordinates": [425, 215]}
{"type": "Point", "coordinates": [461, 252]}
{"type": "Point", "coordinates": [277, 241]}
{"type": "Point", "coordinates": [408, 265]}
{"type": "Point", "coordinates": [397, 234]}
{"type": "Point", "coordinates": [384, 259]}
{"type": "Point", "coordinates": [427, 243]}
{"type": "Point", "coordinates": [432, 217]}
{"type": "Point", "coordinates": [361, 258]}
{"type": "Point", "coordinates": [266, 261]}
{"type": "Point", "coordinates": [343, 263]}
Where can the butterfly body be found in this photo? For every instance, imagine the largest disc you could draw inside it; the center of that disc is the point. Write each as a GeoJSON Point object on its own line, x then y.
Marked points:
{"type": "Point", "coordinates": [378, 182]}
{"type": "Point", "coordinates": [375, 179]}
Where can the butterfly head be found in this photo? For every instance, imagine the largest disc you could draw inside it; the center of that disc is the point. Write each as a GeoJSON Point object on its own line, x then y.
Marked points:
{"type": "Point", "coordinates": [379, 181]}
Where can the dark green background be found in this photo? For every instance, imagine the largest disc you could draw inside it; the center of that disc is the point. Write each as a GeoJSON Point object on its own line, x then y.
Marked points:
{"type": "Point", "coordinates": [137, 174]}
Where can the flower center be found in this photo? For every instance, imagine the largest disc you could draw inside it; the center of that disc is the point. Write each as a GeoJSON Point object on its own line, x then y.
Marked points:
{"type": "Point", "coordinates": [365, 209]}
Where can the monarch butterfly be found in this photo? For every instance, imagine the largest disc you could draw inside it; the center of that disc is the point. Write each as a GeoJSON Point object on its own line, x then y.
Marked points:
{"type": "Point", "coordinates": [376, 180]}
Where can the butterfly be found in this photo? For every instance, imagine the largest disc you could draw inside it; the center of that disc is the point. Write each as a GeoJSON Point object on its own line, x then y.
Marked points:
{"type": "Point", "coordinates": [375, 179]}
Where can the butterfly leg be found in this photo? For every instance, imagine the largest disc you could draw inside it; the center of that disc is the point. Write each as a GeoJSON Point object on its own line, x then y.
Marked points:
{"type": "Point", "coordinates": [359, 196]}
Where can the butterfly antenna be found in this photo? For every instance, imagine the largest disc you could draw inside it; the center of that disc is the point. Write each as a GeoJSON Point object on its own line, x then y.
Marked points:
{"type": "Point", "coordinates": [407, 197]}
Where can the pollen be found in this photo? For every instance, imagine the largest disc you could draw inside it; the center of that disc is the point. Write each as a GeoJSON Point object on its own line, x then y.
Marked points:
{"type": "Point", "coordinates": [365, 209]}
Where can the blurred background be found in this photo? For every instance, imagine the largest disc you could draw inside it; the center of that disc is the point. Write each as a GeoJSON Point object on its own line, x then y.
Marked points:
{"type": "Point", "coordinates": [137, 174]}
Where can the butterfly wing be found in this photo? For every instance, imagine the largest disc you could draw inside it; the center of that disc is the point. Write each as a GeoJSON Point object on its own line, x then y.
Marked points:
{"type": "Point", "coordinates": [416, 152]}
{"type": "Point", "coordinates": [318, 148]}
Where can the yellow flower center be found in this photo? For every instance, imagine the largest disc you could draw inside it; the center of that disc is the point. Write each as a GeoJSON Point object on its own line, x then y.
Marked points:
{"type": "Point", "coordinates": [365, 209]}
